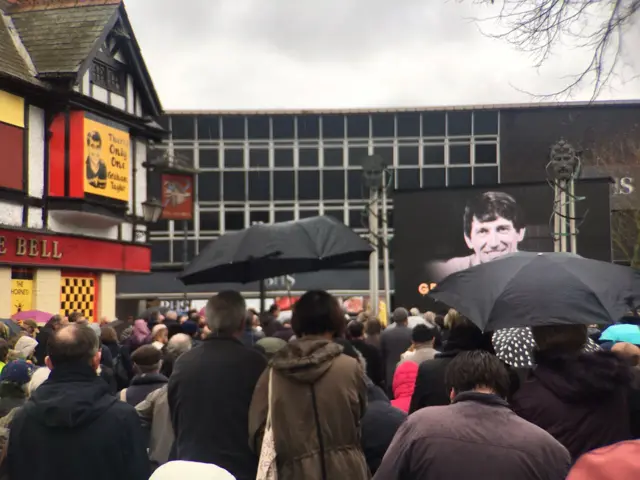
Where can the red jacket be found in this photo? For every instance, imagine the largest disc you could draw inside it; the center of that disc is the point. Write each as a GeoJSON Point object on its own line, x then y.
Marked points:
{"type": "Point", "coordinates": [404, 381]}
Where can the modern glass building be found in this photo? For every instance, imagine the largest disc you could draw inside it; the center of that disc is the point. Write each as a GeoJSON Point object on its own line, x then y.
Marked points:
{"type": "Point", "coordinates": [273, 166]}
{"type": "Point", "coordinates": [278, 166]}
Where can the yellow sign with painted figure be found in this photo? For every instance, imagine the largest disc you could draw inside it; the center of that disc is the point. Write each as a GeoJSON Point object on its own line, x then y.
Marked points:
{"type": "Point", "coordinates": [107, 152]}
{"type": "Point", "coordinates": [21, 296]}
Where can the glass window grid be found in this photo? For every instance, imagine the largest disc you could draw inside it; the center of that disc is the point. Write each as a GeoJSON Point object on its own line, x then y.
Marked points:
{"type": "Point", "coordinates": [201, 238]}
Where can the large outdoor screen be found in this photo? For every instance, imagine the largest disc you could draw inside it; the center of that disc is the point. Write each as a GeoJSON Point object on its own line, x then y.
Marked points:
{"type": "Point", "coordinates": [440, 231]}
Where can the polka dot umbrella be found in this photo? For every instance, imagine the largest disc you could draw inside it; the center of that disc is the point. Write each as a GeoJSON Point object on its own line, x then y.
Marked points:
{"type": "Point", "coordinates": [514, 346]}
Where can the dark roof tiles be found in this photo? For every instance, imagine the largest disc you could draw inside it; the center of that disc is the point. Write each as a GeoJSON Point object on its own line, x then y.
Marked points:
{"type": "Point", "coordinates": [60, 40]}
{"type": "Point", "coordinates": [11, 62]}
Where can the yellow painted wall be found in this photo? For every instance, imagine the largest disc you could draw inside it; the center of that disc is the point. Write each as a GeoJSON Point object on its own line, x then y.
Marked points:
{"type": "Point", "coordinates": [107, 296]}
{"type": "Point", "coordinates": [5, 292]}
{"type": "Point", "coordinates": [11, 109]}
{"type": "Point", "coordinates": [46, 291]}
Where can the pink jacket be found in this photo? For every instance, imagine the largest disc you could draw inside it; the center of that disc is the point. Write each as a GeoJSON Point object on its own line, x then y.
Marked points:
{"type": "Point", "coordinates": [404, 381]}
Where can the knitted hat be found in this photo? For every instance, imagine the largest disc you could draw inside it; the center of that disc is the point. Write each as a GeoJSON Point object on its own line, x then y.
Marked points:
{"type": "Point", "coordinates": [18, 372]}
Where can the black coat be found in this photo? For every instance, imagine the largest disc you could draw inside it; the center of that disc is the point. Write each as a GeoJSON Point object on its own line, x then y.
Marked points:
{"type": "Point", "coordinates": [73, 429]}
{"type": "Point", "coordinates": [373, 358]}
{"type": "Point", "coordinates": [143, 385]}
{"type": "Point", "coordinates": [210, 392]}
{"type": "Point", "coordinates": [583, 401]}
{"type": "Point", "coordinates": [380, 423]}
{"type": "Point", "coordinates": [42, 338]}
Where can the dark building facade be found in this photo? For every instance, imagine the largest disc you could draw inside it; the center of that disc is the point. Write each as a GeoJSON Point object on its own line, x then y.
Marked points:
{"type": "Point", "coordinates": [285, 165]}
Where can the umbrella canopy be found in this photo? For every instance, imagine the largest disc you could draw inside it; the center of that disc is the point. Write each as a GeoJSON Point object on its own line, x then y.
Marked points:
{"type": "Point", "coordinates": [39, 316]}
{"type": "Point", "coordinates": [514, 346]}
{"type": "Point", "coordinates": [271, 250]}
{"type": "Point", "coordinates": [622, 333]}
{"type": "Point", "coordinates": [529, 289]}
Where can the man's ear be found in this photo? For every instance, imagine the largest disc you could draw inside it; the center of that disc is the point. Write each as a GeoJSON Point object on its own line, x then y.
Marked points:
{"type": "Point", "coordinates": [452, 395]}
{"type": "Point", "coordinates": [521, 234]}
{"type": "Point", "coordinates": [48, 362]}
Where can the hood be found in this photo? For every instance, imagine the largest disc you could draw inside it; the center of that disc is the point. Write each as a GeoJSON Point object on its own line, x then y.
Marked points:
{"type": "Point", "coordinates": [404, 379]}
{"type": "Point", "coordinates": [576, 378]}
{"type": "Point", "coordinates": [306, 360]}
{"type": "Point", "coordinates": [71, 397]}
{"type": "Point", "coordinates": [375, 393]}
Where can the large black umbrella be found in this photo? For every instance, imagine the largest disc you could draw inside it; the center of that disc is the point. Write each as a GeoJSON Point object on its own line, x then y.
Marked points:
{"type": "Point", "coordinates": [529, 289]}
{"type": "Point", "coordinates": [270, 250]}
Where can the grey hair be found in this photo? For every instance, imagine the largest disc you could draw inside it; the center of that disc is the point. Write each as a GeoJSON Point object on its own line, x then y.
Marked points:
{"type": "Point", "coordinates": [226, 312]}
{"type": "Point", "coordinates": [171, 314]}
{"type": "Point", "coordinates": [178, 344]}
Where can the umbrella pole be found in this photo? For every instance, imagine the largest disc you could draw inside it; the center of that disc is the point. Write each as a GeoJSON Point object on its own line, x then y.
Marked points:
{"type": "Point", "coordinates": [263, 295]}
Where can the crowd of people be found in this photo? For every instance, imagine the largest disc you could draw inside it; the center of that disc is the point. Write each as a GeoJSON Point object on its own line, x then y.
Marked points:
{"type": "Point", "coordinates": [234, 394]}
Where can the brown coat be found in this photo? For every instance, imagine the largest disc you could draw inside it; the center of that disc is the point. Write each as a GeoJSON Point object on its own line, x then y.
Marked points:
{"type": "Point", "coordinates": [478, 436]}
{"type": "Point", "coordinates": [320, 443]}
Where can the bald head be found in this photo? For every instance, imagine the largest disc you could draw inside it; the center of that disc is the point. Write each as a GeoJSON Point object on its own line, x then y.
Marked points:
{"type": "Point", "coordinates": [73, 344]}
{"type": "Point", "coordinates": [178, 344]}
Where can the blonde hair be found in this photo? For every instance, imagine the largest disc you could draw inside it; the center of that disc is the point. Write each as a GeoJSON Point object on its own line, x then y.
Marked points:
{"type": "Point", "coordinates": [430, 317]}
{"type": "Point", "coordinates": [454, 319]}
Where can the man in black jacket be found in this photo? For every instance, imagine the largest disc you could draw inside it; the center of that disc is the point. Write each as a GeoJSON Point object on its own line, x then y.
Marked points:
{"type": "Point", "coordinates": [210, 391]}
{"type": "Point", "coordinates": [54, 324]}
{"type": "Point", "coordinates": [72, 428]}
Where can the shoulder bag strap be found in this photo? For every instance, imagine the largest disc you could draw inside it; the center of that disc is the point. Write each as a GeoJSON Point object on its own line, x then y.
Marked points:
{"type": "Point", "coordinates": [269, 398]}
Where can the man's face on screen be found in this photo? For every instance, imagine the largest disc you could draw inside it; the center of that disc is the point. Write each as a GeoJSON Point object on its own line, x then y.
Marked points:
{"type": "Point", "coordinates": [492, 239]}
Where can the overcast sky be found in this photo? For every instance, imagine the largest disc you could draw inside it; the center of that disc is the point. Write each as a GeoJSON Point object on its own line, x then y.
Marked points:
{"type": "Point", "coordinates": [257, 54]}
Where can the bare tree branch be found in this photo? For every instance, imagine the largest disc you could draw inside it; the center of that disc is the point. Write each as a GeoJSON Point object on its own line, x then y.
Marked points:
{"type": "Point", "coordinates": [539, 27]}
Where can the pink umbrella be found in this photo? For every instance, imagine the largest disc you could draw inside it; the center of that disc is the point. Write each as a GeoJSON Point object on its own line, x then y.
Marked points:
{"type": "Point", "coordinates": [40, 317]}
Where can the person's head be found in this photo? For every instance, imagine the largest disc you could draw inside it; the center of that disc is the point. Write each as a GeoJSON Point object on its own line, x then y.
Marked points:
{"type": "Point", "coordinates": [423, 335]}
{"type": "Point", "coordinates": [493, 225]}
{"type": "Point", "coordinates": [628, 351]}
{"type": "Point", "coordinates": [15, 376]}
{"type": "Point", "coordinates": [190, 328]}
{"type": "Point", "coordinates": [372, 327]}
{"type": "Point", "coordinates": [31, 327]}
{"type": "Point", "coordinates": [477, 371]}
{"type": "Point", "coordinates": [160, 333]}
{"type": "Point", "coordinates": [454, 319]}
{"type": "Point", "coordinates": [25, 346]}
{"type": "Point", "coordinates": [57, 322]}
{"type": "Point", "coordinates": [182, 319]}
{"type": "Point", "coordinates": [363, 317]}
{"type": "Point", "coordinates": [225, 313]}
{"type": "Point", "coordinates": [4, 350]}
{"type": "Point", "coordinates": [108, 335]}
{"type": "Point", "coordinates": [430, 317]}
{"type": "Point", "coordinates": [317, 313]}
{"type": "Point", "coordinates": [355, 329]}
{"type": "Point", "coordinates": [76, 317]}
{"type": "Point", "coordinates": [147, 359]}
{"type": "Point", "coordinates": [400, 316]}
{"type": "Point", "coordinates": [568, 339]}
{"type": "Point", "coordinates": [274, 310]}
{"type": "Point", "coordinates": [74, 344]}
{"type": "Point", "coordinates": [94, 145]}
{"type": "Point", "coordinates": [171, 315]}
{"type": "Point", "coordinates": [414, 312]}
{"type": "Point", "coordinates": [178, 344]}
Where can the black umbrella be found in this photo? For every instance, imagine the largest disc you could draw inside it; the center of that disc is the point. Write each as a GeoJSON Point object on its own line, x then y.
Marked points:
{"type": "Point", "coordinates": [514, 346]}
{"type": "Point", "coordinates": [270, 250]}
{"type": "Point", "coordinates": [528, 289]}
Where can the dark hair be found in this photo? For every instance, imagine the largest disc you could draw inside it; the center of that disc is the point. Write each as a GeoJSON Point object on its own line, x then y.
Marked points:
{"type": "Point", "coordinates": [373, 326]}
{"type": "Point", "coordinates": [355, 329]}
{"type": "Point", "coordinates": [73, 344]}
{"type": "Point", "coordinates": [55, 320]}
{"type": "Point", "coordinates": [422, 334]}
{"type": "Point", "coordinates": [439, 321]}
{"type": "Point", "coordinates": [488, 206]}
{"type": "Point", "coordinates": [94, 137]}
{"type": "Point", "coordinates": [560, 338]}
{"type": "Point", "coordinates": [274, 308]}
{"type": "Point", "coordinates": [108, 335]}
{"type": "Point", "coordinates": [317, 312]}
{"type": "Point", "coordinates": [75, 316]}
{"type": "Point", "coordinates": [4, 350]}
{"type": "Point", "coordinates": [477, 368]}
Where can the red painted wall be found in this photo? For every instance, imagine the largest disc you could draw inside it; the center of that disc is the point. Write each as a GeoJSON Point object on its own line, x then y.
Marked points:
{"type": "Point", "coordinates": [11, 156]}
{"type": "Point", "coordinates": [56, 157]}
{"type": "Point", "coordinates": [76, 155]}
{"type": "Point", "coordinates": [60, 251]}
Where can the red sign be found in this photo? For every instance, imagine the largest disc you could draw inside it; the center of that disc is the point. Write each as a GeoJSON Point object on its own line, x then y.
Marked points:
{"type": "Point", "coordinates": [177, 197]}
{"type": "Point", "coordinates": [29, 249]}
